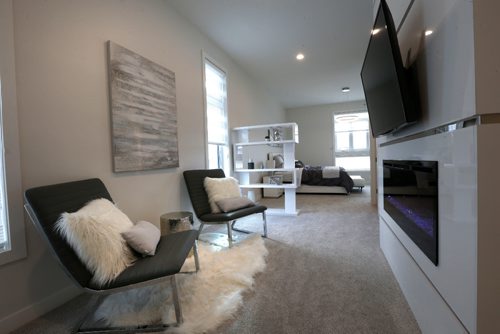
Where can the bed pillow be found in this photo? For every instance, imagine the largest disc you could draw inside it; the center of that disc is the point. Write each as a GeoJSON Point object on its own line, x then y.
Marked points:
{"type": "Point", "coordinates": [143, 237]}
{"type": "Point", "coordinates": [220, 188]}
{"type": "Point", "coordinates": [234, 203]}
{"type": "Point", "coordinates": [94, 233]}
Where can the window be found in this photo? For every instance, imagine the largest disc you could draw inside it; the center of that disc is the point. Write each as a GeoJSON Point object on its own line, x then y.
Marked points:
{"type": "Point", "coordinates": [352, 140]}
{"type": "Point", "coordinates": [12, 219]}
{"type": "Point", "coordinates": [217, 127]}
{"type": "Point", "coordinates": [4, 226]}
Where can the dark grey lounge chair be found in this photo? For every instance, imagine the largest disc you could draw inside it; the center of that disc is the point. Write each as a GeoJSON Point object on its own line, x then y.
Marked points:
{"type": "Point", "coordinates": [199, 199]}
{"type": "Point", "coordinates": [44, 206]}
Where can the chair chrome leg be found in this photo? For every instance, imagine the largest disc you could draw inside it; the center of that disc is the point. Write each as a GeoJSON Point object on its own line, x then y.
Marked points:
{"type": "Point", "coordinates": [196, 259]}
{"type": "Point", "coordinates": [265, 223]}
{"type": "Point", "coordinates": [199, 230]}
{"type": "Point", "coordinates": [175, 297]}
{"type": "Point", "coordinates": [229, 234]}
{"type": "Point", "coordinates": [248, 232]}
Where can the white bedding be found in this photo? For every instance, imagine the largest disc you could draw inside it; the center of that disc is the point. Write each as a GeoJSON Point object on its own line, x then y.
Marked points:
{"type": "Point", "coordinates": [330, 172]}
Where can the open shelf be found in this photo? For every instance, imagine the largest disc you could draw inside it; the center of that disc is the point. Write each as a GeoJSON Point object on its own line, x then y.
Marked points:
{"type": "Point", "coordinates": [257, 143]}
{"type": "Point", "coordinates": [271, 170]}
{"type": "Point", "coordinates": [267, 142]}
{"type": "Point", "coordinates": [269, 185]}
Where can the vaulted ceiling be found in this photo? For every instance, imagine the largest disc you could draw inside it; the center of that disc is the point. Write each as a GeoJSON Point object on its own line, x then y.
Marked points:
{"type": "Point", "coordinates": [264, 36]}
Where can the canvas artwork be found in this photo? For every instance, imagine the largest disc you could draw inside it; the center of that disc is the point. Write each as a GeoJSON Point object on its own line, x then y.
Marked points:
{"type": "Point", "coordinates": [144, 112]}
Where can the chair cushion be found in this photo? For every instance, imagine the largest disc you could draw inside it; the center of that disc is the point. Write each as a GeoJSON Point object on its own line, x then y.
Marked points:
{"type": "Point", "coordinates": [94, 233]}
{"type": "Point", "coordinates": [143, 237]}
{"type": "Point", "coordinates": [220, 188]}
{"type": "Point", "coordinates": [234, 203]}
{"type": "Point", "coordinates": [170, 255]}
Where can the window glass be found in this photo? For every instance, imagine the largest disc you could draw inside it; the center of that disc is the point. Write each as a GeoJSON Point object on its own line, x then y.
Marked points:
{"type": "Point", "coordinates": [352, 140]}
{"type": "Point", "coordinates": [360, 140]}
{"type": "Point", "coordinates": [216, 117]}
{"type": "Point", "coordinates": [342, 141]}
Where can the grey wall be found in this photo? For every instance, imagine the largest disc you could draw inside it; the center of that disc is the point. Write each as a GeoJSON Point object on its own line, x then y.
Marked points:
{"type": "Point", "coordinates": [64, 120]}
{"type": "Point", "coordinates": [316, 132]}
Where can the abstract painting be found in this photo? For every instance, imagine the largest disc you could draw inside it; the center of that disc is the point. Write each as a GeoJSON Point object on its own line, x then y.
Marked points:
{"type": "Point", "coordinates": [143, 112]}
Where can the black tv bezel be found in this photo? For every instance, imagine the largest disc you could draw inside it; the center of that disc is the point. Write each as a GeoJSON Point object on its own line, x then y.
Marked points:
{"type": "Point", "coordinates": [407, 91]}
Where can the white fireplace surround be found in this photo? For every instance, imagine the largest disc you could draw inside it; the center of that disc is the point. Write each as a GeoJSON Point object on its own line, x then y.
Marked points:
{"type": "Point", "coordinates": [454, 279]}
{"type": "Point", "coordinates": [458, 70]}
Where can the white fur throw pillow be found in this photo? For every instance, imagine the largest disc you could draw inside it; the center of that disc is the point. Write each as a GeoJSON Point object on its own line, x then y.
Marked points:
{"type": "Point", "coordinates": [220, 188]}
{"type": "Point", "coordinates": [94, 233]}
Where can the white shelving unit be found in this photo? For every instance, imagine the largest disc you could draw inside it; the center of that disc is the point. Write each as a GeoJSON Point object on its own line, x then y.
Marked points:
{"type": "Point", "coordinates": [254, 143]}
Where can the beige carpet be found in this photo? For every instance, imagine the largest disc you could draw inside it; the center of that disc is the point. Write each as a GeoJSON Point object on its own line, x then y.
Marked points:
{"type": "Point", "coordinates": [325, 273]}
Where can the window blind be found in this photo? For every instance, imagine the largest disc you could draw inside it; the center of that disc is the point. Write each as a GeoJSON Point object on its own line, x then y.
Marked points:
{"type": "Point", "coordinates": [215, 85]}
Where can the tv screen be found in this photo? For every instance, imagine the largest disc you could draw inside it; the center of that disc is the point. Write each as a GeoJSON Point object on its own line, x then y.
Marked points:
{"type": "Point", "coordinates": [389, 99]}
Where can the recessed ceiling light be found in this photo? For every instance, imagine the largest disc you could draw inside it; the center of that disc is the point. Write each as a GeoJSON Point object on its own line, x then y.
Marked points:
{"type": "Point", "coordinates": [428, 32]}
{"type": "Point", "coordinates": [300, 56]}
{"type": "Point", "coordinates": [345, 89]}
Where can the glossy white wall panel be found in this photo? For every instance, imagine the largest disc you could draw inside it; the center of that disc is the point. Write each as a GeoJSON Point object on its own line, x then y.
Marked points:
{"type": "Point", "coordinates": [431, 311]}
{"type": "Point", "coordinates": [455, 276]}
{"type": "Point", "coordinates": [444, 60]}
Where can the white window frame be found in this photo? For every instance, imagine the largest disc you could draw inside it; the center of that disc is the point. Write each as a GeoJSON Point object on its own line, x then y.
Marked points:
{"type": "Point", "coordinates": [350, 153]}
{"type": "Point", "coordinates": [227, 169]}
{"type": "Point", "coordinates": [12, 167]}
{"type": "Point", "coordinates": [11, 186]}
{"type": "Point", "coordinates": [5, 244]}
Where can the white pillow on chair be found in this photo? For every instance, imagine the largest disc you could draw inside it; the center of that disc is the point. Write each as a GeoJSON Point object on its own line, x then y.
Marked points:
{"type": "Point", "coordinates": [143, 237]}
{"type": "Point", "coordinates": [94, 234]}
{"type": "Point", "coordinates": [220, 188]}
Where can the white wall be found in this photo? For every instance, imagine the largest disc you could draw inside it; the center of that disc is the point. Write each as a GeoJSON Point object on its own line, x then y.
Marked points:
{"type": "Point", "coordinates": [487, 65]}
{"type": "Point", "coordinates": [64, 121]}
{"type": "Point", "coordinates": [316, 132]}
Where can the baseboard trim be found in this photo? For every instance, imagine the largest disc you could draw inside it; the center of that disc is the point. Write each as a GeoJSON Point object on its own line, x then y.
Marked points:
{"type": "Point", "coordinates": [35, 310]}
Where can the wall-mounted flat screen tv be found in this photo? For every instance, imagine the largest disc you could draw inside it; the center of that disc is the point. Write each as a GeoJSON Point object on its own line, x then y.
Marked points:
{"type": "Point", "coordinates": [390, 95]}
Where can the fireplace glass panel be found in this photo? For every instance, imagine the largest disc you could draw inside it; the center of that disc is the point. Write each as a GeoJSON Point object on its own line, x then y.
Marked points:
{"type": "Point", "coordinates": [411, 199]}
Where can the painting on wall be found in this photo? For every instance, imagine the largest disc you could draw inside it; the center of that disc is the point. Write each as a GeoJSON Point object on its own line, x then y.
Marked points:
{"type": "Point", "coordinates": [143, 112]}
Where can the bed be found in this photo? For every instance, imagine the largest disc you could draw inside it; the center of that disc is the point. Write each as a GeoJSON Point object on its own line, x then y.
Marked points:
{"type": "Point", "coordinates": [325, 180]}
{"type": "Point", "coordinates": [319, 179]}
{"type": "Point", "coordinates": [310, 180]}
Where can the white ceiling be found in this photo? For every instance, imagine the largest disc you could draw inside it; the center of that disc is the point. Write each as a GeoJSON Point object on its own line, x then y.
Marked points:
{"type": "Point", "coordinates": [263, 37]}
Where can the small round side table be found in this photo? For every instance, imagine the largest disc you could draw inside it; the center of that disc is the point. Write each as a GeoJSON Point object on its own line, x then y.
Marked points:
{"type": "Point", "coordinates": [177, 221]}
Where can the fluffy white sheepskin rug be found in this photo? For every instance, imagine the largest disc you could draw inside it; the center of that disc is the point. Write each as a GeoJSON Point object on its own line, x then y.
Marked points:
{"type": "Point", "coordinates": [207, 298]}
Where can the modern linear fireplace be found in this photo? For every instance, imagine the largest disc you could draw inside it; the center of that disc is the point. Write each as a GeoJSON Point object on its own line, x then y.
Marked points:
{"type": "Point", "coordinates": [411, 199]}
